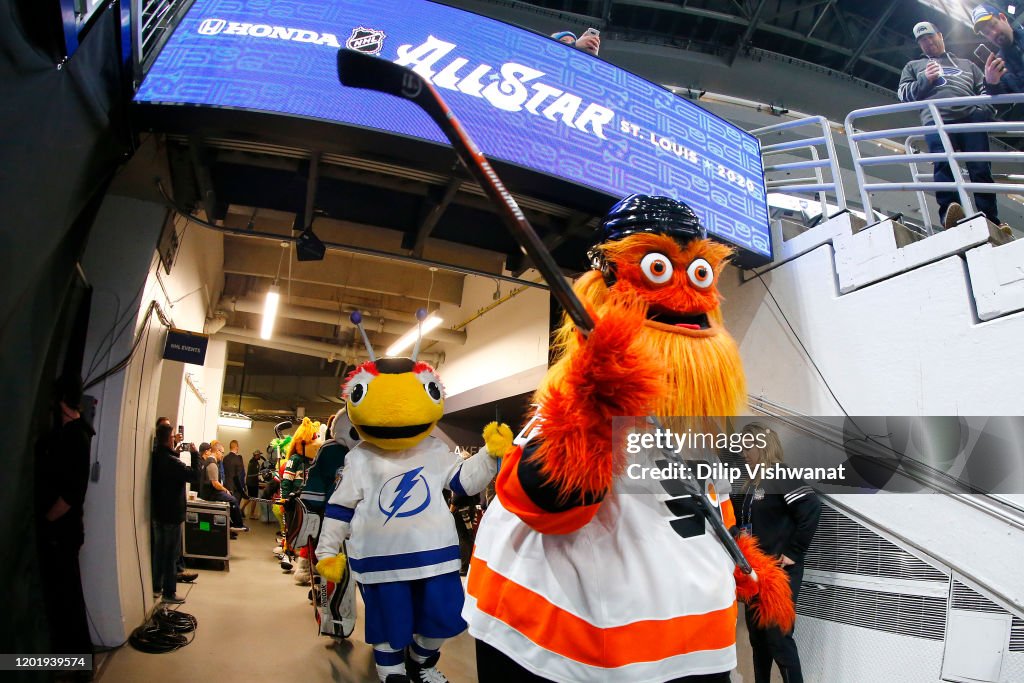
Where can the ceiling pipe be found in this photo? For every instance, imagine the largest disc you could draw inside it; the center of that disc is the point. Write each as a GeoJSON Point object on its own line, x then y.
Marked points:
{"type": "Point", "coordinates": [305, 347]}
{"type": "Point", "coordinates": [335, 246]}
{"type": "Point", "coordinates": [340, 318]}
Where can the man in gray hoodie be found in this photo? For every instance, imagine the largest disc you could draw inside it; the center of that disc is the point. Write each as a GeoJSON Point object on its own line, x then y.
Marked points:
{"type": "Point", "coordinates": [939, 75]}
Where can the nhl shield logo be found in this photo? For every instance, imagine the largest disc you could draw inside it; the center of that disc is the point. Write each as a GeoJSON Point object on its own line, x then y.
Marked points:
{"type": "Point", "coordinates": [368, 40]}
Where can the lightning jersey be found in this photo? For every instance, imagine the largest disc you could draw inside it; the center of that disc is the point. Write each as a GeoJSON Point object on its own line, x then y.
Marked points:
{"type": "Point", "coordinates": [391, 504]}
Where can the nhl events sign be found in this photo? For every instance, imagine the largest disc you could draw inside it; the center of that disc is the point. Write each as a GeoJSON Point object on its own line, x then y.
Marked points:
{"type": "Point", "coordinates": [525, 99]}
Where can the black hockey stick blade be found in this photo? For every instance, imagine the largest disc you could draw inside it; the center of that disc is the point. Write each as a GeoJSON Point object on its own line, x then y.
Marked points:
{"type": "Point", "coordinates": [360, 70]}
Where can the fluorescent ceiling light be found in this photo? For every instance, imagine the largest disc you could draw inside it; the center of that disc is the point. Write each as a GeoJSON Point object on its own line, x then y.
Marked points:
{"type": "Point", "coordinates": [407, 339]}
{"type": "Point", "coordinates": [270, 312]}
{"type": "Point", "coordinates": [235, 420]}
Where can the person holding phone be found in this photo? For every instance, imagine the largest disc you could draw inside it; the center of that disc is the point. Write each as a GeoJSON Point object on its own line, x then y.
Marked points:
{"type": "Point", "coordinates": [938, 75]}
{"type": "Point", "coordinates": [589, 42]}
{"type": "Point", "coordinates": [1004, 71]}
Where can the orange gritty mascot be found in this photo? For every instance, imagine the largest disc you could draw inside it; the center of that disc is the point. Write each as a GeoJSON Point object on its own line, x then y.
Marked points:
{"type": "Point", "coordinates": [575, 576]}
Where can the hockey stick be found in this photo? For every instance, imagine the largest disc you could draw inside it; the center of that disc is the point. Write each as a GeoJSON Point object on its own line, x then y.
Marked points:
{"type": "Point", "coordinates": [360, 70]}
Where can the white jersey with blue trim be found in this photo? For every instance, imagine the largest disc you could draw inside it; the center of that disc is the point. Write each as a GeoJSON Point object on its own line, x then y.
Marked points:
{"type": "Point", "coordinates": [391, 504]}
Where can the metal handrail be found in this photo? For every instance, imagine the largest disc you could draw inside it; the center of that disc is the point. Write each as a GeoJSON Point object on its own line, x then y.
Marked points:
{"type": "Point", "coordinates": [917, 177]}
{"type": "Point", "coordinates": [810, 185]}
{"type": "Point", "coordinates": [943, 130]}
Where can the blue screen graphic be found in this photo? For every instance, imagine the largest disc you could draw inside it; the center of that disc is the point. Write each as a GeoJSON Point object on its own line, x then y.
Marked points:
{"type": "Point", "coordinates": [524, 98]}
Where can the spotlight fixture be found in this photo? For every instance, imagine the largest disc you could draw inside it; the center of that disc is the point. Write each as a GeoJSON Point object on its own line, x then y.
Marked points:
{"type": "Point", "coordinates": [308, 246]}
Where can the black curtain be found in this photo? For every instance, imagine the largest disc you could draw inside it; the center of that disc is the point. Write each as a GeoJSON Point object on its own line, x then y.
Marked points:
{"type": "Point", "coordinates": [62, 135]}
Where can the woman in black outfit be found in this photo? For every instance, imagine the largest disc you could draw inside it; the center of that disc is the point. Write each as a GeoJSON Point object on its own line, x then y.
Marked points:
{"type": "Point", "coordinates": [783, 515]}
{"type": "Point", "coordinates": [252, 484]}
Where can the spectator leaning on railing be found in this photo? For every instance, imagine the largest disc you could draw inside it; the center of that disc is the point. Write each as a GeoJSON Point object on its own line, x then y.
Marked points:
{"type": "Point", "coordinates": [1004, 71]}
{"type": "Point", "coordinates": [940, 75]}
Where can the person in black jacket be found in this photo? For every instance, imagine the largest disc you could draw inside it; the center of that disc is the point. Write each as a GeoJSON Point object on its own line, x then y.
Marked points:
{"type": "Point", "coordinates": [252, 485]}
{"type": "Point", "coordinates": [783, 515]}
{"type": "Point", "coordinates": [184, 575]}
{"type": "Point", "coordinates": [169, 476]}
{"type": "Point", "coordinates": [234, 472]}
{"type": "Point", "coordinates": [62, 477]}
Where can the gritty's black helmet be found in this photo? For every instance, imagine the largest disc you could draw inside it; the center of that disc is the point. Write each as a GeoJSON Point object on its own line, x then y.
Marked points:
{"type": "Point", "coordinates": [656, 215]}
{"type": "Point", "coordinates": [642, 213]}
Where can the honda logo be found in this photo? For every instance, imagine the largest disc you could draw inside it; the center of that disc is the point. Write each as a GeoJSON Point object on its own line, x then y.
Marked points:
{"type": "Point", "coordinates": [211, 27]}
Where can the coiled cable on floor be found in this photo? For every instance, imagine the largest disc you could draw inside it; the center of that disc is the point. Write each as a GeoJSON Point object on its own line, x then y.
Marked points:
{"type": "Point", "coordinates": [174, 621]}
{"type": "Point", "coordinates": [163, 632]}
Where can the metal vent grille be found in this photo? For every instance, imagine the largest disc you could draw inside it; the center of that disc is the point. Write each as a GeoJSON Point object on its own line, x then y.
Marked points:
{"type": "Point", "coordinates": [843, 545]}
{"type": "Point", "coordinates": [971, 601]}
{"type": "Point", "coordinates": [1017, 635]}
{"type": "Point", "coordinates": [917, 616]}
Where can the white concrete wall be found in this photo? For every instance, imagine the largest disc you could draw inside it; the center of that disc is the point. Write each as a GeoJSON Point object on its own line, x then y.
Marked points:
{"type": "Point", "coordinates": [248, 439]}
{"type": "Point", "coordinates": [116, 558]}
{"type": "Point", "coordinates": [507, 344]}
{"type": "Point", "coordinates": [908, 345]}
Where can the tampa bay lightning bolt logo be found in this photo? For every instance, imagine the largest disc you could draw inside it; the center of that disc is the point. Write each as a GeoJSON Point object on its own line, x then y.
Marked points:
{"type": "Point", "coordinates": [404, 495]}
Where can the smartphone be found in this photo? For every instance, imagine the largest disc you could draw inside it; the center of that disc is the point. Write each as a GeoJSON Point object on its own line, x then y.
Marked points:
{"type": "Point", "coordinates": [592, 31]}
{"type": "Point", "coordinates": [983, 53]}
{"type": "Point", "coordinates": [181, 430]}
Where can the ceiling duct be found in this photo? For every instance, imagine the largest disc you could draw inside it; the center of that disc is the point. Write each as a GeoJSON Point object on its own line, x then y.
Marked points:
{"type": "Point", "coordinates": [306, 347]}
{"type": "Point", "coordinates": [340, 318]}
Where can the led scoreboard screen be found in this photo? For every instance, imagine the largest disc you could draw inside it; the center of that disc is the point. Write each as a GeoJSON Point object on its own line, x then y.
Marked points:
{"type": "Point", "coordinates": [525, 99]}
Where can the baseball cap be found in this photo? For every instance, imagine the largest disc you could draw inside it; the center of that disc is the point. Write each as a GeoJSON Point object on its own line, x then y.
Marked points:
{"type": "Point", "coordinates": [983, 13]}
{"type": "Point", "coordinates": [203, 447]}
{"type": "Point", "coordinates": [924, 28]}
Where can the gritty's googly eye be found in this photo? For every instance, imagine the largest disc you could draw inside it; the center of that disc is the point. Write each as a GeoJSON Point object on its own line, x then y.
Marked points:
{"type": "Point", "coordinates": [701, 273]}
{"type": "Point", "coordinates": [657, 268]}
{"type": "Point", "coordinates": [357, 393]}
{"type": "Point", "coordinates": [433, 390]}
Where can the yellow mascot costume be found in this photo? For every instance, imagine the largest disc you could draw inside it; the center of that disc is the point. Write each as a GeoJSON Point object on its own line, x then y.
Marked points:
{"type": "Point", "coordinates": [402, 546]}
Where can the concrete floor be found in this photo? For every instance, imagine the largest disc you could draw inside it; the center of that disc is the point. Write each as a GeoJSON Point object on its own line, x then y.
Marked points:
{"type": "Point", "coordinates": [256, 624]}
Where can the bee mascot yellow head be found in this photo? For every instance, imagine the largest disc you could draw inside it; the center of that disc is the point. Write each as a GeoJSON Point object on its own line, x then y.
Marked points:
{"type": "Point", "coordinates": [394, 403]}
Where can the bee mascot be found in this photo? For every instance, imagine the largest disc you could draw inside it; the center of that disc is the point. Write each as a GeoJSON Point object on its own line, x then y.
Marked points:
{"type": "Point", "coordinates": [402, 547]}
{"type": "Point", "coordinates": [574, 577]}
